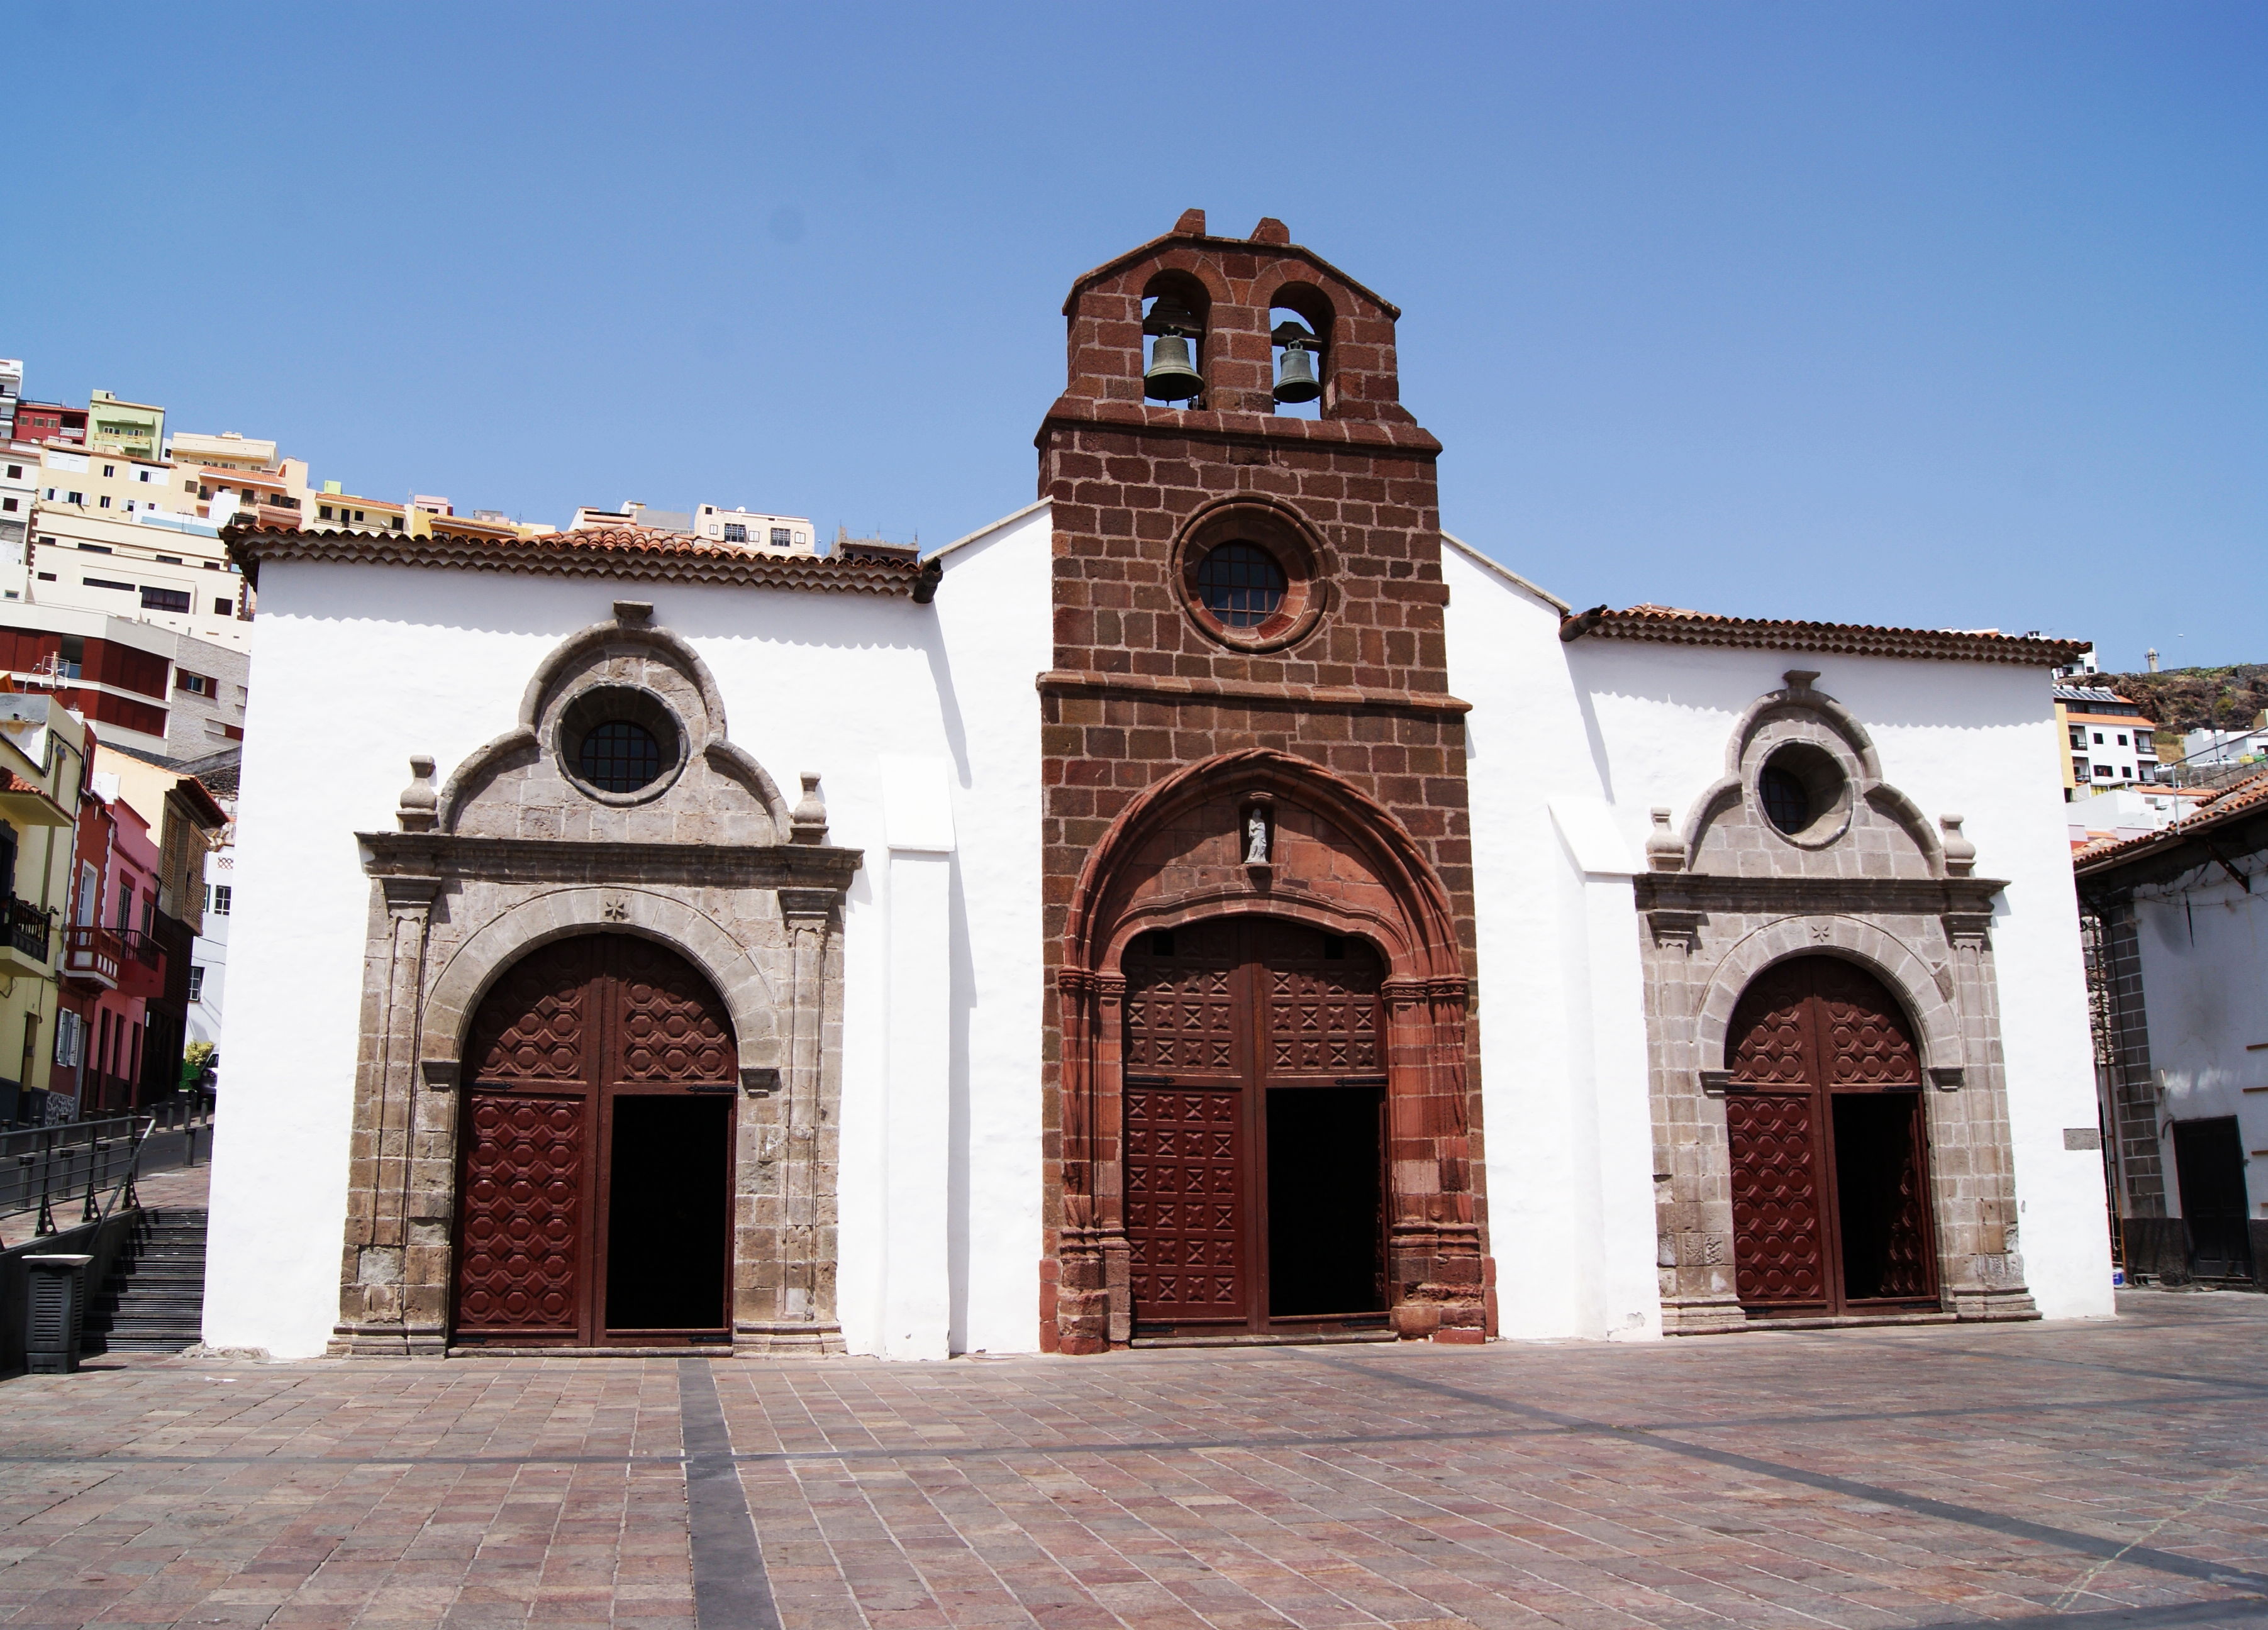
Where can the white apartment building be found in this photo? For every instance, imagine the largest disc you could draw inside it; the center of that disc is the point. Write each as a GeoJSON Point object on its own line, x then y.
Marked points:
{"type": "Point", "coordinates": [792, 534]}
{"type": "Point", "coordinates": [166, 569]}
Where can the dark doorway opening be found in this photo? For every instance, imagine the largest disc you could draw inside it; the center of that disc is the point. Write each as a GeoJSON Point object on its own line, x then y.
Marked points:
{"type": "Point", "coordinates": [595, 1175]}
{"type": "Point", "coordinates": [1325, 1251]}
{"type": "Point", "coordinates": [1878, 1195]}
{"type": "Point", "coordinates": [668, 1216]}
{"type": "Point", "coordinates": [1829, 1150]}
{"type": "Point", "coordinates": [2209, 1162]}
{"type": "Point", "coordinates": [1254, 1088]}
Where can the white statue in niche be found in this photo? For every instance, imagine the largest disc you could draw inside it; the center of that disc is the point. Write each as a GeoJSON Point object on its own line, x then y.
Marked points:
{"type": "Point", "coordinates": [1255, 836]}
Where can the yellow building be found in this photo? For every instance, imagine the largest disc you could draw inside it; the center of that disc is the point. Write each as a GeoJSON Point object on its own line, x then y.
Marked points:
{"type": "Point", "coordinates": [42, 765]}
{"type": "Point", "coordinates": [136, 427]}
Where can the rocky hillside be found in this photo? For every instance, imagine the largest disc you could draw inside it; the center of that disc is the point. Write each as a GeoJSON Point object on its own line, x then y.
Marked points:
{"type": "Point", "coordinates": [2185, 699]}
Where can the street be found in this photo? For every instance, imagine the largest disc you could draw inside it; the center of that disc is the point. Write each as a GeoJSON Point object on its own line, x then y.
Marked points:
{"type": "Point", "coordinates": [1941, 1475]}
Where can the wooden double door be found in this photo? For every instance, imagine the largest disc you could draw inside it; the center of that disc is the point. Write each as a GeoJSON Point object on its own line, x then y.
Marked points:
{"type": "Point", "coordinates": [595, 1169]}
{"type": "Point", "coordinates": [1254, 1114]}
{"type": "Point", "coordinates": [1830, 1146]}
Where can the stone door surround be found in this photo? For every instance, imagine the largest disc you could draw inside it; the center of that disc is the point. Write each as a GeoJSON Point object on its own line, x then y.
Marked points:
{"type": "Point", "coordinates": [1264, 833]}
{"type": "Point", "coordinates": [1727, 895]}
{"type": "Point", "coordinates": [513, 853]}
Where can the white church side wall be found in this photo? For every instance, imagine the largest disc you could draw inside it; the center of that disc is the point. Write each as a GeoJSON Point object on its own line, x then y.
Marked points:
{"type": "Point", "coordinates": [1967, 738]}
{"type": "Point", "coordinates": [1562, 1024]}
{"type": "Point", "coordinates": [368, 665]}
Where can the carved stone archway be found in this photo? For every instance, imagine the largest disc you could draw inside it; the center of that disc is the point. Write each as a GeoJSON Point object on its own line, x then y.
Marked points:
{"type": "Point", "coordinates": [1326, 855]}
{"type": "Point", "coordinates": [516, 851]}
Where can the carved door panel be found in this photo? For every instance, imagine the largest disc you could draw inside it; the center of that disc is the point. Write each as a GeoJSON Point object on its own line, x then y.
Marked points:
{"type": "Point", "coordinates": [1236, 1032]}
{"type": "Point", "coordinates": [1188, 1042]}
{"type": "Point", "coordinates": [1827, 1147]}
{"type": "Point", "coordinates": [566, 1035]}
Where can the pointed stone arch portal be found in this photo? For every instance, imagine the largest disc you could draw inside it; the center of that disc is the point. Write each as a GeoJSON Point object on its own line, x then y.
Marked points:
{"type": "Point", "coordinates": [1268, 1120]}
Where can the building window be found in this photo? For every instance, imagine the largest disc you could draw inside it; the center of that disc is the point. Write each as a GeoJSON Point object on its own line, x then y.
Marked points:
{"type": "Point", "coordinates": [91, 548]}
{"type": "Point", "coordinates": [323, 511]}
{"type": "Point", "coordinates": [69, 1030]}
{"type": "Point", "coordinates": [196, 684]}
{"type": "Point", "coordinates": [1241, 584]}
{"type": "Point", "coordinates": [222, 896]}
{"type": "Point", "coordinates": [2079, 769]}
{"type": "Point", "coordinates": [2103, 772]}
{"type": "Point", "coordinates": [47, 577]}
{"type": "Point", "coordinates": [110, 469]}
{"type": "Point", "coordinates": [196, 984]}
{"type": "Point", "coordinates": [2122, 738]}
{"type": "Point", "coordinates": [2098, 739]}
{"type": "Point", "coordinates": [164, 600]}
{"type": "Point", "coordinates": [781, 538]}
{"type": "Point", "coordinates": [8, 504]}
{"type": "Point", "coordinates": [105, 583]}
{"type": "Point", "coordinates": [735, 533]}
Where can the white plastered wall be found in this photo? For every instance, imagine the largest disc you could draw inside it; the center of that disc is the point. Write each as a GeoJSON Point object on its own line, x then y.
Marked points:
{"type": "Point", "coordinates": [1562, 1015]}
{"type": "Point", "coordinates": [2204, 941]}
{"type": "Point", "coordinates": [1970, 738]}
{"type": "Point", "coordinates": [363, 666]}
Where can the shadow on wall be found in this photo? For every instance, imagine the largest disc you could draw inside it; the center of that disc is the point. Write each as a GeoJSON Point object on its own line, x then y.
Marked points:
{"type": "Point", "coordinates": [1881, 690]}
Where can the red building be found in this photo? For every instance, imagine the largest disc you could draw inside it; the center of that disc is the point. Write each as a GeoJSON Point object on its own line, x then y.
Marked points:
{"type": "Point", "coordinates": [112, 964]}
{"type": "Point", "coordinates": [50, 422]}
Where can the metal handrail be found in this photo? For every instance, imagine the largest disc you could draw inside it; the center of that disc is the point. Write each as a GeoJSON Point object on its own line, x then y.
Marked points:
{"type": "Point", "coordinates": [43, 1168]}
{"type": "Point", "coordinates": [28, 926]}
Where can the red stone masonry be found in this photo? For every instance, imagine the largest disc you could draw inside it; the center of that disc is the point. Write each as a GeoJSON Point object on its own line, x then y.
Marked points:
{"type": "Point", "coordinates": [1141, 689]}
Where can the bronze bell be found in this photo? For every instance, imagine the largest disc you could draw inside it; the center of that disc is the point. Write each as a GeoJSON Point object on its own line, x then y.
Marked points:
{"type": "Point", "coordinates": [1172, 374]}
{"type": "Point", "coordinates": [1295, 374]}
{"type": "Point", "coordinates": [1170, 378]}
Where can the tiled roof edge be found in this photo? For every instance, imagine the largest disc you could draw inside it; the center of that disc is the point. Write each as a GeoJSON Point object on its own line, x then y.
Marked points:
{"type": "Point", "coordinates": [2247, 797]}
{"type": "Point", "coordinates": [1837, 638]}
{"type": "Point", "coordinates": [599, 552]}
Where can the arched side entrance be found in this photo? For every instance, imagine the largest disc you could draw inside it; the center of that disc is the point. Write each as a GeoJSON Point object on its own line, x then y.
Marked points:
{"type": "Point", "coordinates": [1255, 1138]}
{"type": "Point", "coordinates": [1258, 959]}
{"type": "Point", "coordinates": [594, 1193]}
{"type": "Point", "coordinates": [1830, 1148]}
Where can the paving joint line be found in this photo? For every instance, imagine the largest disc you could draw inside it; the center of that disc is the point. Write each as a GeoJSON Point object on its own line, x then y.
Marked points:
{"type": "Point", "coordinates": [1920, 1505]}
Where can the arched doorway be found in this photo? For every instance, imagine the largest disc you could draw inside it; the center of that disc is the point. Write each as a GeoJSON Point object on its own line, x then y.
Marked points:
{"type": "Point", "coordinates": [594, 1198]}
{"type": "Point", "coordinates": [1254, 1129]}
{"type": "Point", "coordinates": [1829, 1150]}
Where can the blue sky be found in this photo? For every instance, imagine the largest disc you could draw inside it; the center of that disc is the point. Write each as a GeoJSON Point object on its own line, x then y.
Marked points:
{"type": "Point", "coordinates": [1944, 315]}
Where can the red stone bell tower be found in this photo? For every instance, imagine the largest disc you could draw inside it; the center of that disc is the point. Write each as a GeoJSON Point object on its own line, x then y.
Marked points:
{"type": "Point", "coordinates": [1257, 848]}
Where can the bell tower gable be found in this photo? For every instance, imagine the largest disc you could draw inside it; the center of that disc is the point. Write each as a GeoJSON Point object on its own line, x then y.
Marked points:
{"type": "Point", "coordinates": [1229, 289]}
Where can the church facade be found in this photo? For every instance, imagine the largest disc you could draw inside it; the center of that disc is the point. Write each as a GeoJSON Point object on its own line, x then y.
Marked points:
{"type": "Point", "coordinates": [1212, 904]}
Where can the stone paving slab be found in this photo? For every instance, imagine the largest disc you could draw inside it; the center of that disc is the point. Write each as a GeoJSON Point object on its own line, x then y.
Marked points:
{"type": "Point", "coordinates": [2078, 1474]}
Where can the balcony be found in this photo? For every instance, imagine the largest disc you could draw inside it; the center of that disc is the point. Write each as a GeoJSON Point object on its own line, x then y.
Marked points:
{"type": "Point", "coordinates": [91, 957]}
{"type": "Point", "coordinates": [26, 948]}
{"type": "Point", "coordinates": [140, 965]}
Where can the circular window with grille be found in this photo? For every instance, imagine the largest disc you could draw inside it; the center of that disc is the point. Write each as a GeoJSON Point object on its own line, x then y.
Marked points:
{"type": "Point", "coordinates": [1804, 793]}
{"type": "Point", "coordinates": [620, 743]}
{"type": "Point", "coordinates": [1249, 575]}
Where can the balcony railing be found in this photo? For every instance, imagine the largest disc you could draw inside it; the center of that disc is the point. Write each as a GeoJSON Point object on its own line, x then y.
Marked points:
{"type": "Point", "coordinates": [91, 952]}
{"type": "Point", "coordinates": [28, 928]}
{"type": "Point", "coordinates": [140, 963]}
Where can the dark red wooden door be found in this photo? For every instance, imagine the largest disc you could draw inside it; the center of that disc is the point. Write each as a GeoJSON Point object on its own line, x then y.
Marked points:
{"type": "Point", "coordinates": [569, 1031]}
{"type": "Point", "coordinates": [1223, 1021]}
{"type": "Point", "coordinates": [1827, 1148]}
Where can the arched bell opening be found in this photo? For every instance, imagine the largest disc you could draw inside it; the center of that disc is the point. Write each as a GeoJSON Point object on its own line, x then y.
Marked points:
{"type": "Point", "coordinates": [595, 1152]}
{"type": "Point", "coordinates": [1176, 309]}
{"type": "Point", "coordinates": [1299, 336]}
{"type": "Point", "coordinates": [1826, 1124]}
{"type": "Point", "coordinates": [1253, 1052]}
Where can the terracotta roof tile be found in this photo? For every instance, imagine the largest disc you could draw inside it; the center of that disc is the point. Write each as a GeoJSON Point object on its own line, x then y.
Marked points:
{"type": "Point", "coordinates": [2243, 799]}
{"type": "Point", "coordinates": [618, 552]}
{"type": "Point", "coordinates": [1674, 626]}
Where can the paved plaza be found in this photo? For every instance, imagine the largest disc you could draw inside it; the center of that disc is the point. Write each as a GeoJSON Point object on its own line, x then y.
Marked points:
{"type": "Point", "coordinates": [2101, 1474]}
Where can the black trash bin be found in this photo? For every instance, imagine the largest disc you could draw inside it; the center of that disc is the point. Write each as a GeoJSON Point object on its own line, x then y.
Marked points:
{"type": "Point", "coordinates": [57, 1313]}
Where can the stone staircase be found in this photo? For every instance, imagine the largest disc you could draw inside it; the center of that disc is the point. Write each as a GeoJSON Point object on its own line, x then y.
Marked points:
{"type": "Point", "coordinates": [153, 1301]}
